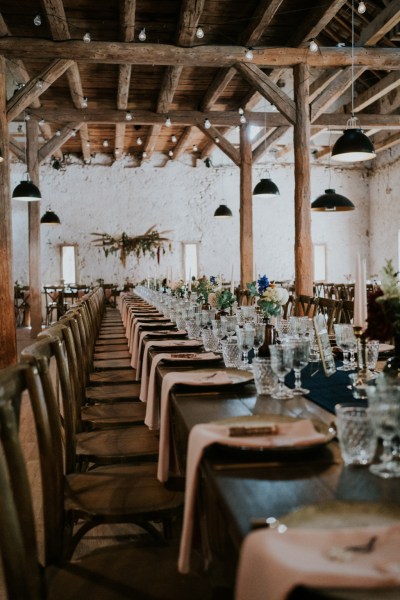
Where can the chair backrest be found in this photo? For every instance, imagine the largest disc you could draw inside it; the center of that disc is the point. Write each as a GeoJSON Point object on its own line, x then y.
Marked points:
{"type": "Point", "coordinates": [304, 306]}
{"type": "Point", "coordinates": [346, 314]}
{"type": "Point", "coordinates": [330, 309]}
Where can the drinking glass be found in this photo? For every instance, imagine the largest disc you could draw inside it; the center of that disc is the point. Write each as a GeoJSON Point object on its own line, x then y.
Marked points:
{"type": "Point", "coordinates": [385, 416]}
{"type": "Point", "coordinates": [230, 325]}
{"type": "Point", "coordinates": [210, 342]}
{"type": "Point", "coordinates": [298, 326]}
{"type": "Point", "coordinates": [301, 355]}
{"type": "Point", "coordinates": [282, 364]}
{"type": "Point", "coordinates": [230, 353]}
{"type": "Point", "coordinates": [193, 329]}
{"type": "Point", "coordinates": [264, 376]}
{"type": "Point", "coordinates": [356, 434]}
{"type": "Point", "coordinates": [245, 338]}
{"type": "Point", "coordinates": [347, 343]}
{"type": "Point", "coordinates": [218, 331]}
{"type": "Point", "coordinates": [259, 336]}
{"type": "Point", "coordinates": [282, 327]}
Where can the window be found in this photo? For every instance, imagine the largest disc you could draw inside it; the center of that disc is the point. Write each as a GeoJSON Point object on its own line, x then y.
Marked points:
{"type": "Point", "coordinates": [319, 262]}
{"type": "Point", "coordinates": [190, 260]}
{"type": "Point", "coordinates": [68, 264]}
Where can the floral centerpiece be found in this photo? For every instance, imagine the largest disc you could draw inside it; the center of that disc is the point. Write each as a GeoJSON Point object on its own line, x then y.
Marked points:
{"type": "Point", "coordinates": [203, 287]}
{"type": "Point", "coordinates": [270, 297]}
{"type": "Point", "coordinates": [178, 288]}
{"type": "Point", "coordinates": [384, 307]}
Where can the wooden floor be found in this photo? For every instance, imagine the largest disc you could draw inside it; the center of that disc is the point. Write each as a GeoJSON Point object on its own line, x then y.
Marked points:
{"type": "Point", "coordinates": [104, 535]}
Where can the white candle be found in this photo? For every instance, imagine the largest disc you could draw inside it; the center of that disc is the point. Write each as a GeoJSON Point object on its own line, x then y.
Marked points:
{"type": "Point", "coordinates": [232, 282]}
{"type": "Point", "coordinates": [360, 294]}
{"type": "Point", "coordinates": [190, 280]}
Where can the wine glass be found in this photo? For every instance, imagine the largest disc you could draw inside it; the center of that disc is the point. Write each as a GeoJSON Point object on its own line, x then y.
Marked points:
{"type": "Point", "coordinates": [259, 336]}
{"type": "Point", "coordinates": [298, 326]}
{"type": "Point", "coordinates": [347, 343]}
{"type": "Point", "coordinates": [245, 338]}
{"type": "Point", "coordinates": [385, 416]}
{"type": "Point", "coordinates": [282, 364]}
{"type": "Point", "coordinates": [301, 355]}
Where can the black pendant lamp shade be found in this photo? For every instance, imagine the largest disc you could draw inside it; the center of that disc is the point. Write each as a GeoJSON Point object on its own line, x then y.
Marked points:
{"type": "Point", "coordinates": [266, 188]}
{"type": "Point", "coordinates": [50, 218]}
{"type": "Point", "coordinates": [332, 202]}
{"type": "Point", "coordinates": [26, 190]}
{"type": "Point", "coordinates": [223, 212]}
{"type": "Point", "coordinates": [353, 146]}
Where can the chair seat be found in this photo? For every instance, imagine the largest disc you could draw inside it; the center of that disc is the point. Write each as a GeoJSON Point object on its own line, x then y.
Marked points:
{"type": "Point", "coordinates": [103, 415]}
{"type": "Point", "coordinates": [111, 342]}
{"type": "Point", "coordinates": [117, 376]}
{"type": "Point", "coordinates": [117, 445]}
{"type": "Point", "coordinates": [113, 363]}
{"type": "Point", "coordinates": [127, 571]}
{"type": "Point", "coordinates": [112, 354]}
{"type": "Point", "coordinates": [112, 393]}
{"type": "Point", "coordinates": [120, 490]}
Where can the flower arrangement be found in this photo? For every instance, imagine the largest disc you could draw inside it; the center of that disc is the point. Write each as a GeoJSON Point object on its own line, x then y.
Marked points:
{"type": "Point", "coordinates": [203, 287]}
{"type": "Point", "coordinates": [224, 299]}
{"type": "Point", "coordinates": [270, 297]}
{"type": "Point", "coordinates": [384, 306]}
{"type": "Point", "coordinates": [178, 288]}
{"type": "Point", "coordinates": [152, 242]}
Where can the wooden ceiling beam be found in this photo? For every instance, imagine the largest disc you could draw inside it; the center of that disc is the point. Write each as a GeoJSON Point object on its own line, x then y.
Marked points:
{"type": "Point", "coordinates": [57, 141]}
{"type": "Point", "coordinates": [285, 149]}
{"type": "Point", "coordinates": [199, 56]}
{"type": "Point", "coordinates": [17, 149]}
{"type": "Point", "coordinates": [189, 20]}
{"type": "Point", "coordinates": [127, 22]}
{"type": "Point", "coordinates": [219, 119]}
{"type": "Point", "coordinates": [183, 142]}
{"type": "Point", "coordinates": [85, 141]}
{"type": "Point", "coordinates": [322, 82]}
{"type": "Point", "coordinates": [381, 25]}
{"type": "Point", "coordinates": [261, 149]}
{"type": "Point", "coordinates": [260, 21]}
{"type": "Point", "coordinates": [211, 145]}
{"type": "Point", "coordinates": [379, 90]}
{"type": "Point", "coordinates": [387, 142]}
{"type": "Point", "coordinates": [36, 87]}
{"type": "Point", "coordinates": [319, 18]}
{"type": "Point", "coordinates": [226, 147]}
{"type": "Point", "coordinates": [219, 83]}
{"type": "Point", "coordinates": [265, 86]}
{"type": "Point", "coordinates": [334, 91]}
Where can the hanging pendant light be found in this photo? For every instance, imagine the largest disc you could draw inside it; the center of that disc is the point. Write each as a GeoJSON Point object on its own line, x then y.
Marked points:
{"type": "Point", "coordinates": [223, 212]}
{"type": "Point", "coordinates": [50, 218]}
{"type": "Point", "coordinates": [353, 145]}
{"type": "Point", "coordinates": [26, 190]}
{"type": "Point", "coordinates": [266, 188]}
{"type": "Point", "coordinates": [330, 201]}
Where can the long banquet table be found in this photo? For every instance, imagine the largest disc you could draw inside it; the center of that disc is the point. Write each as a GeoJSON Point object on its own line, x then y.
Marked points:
{"type": "Point", "coordinates": [239, 487]}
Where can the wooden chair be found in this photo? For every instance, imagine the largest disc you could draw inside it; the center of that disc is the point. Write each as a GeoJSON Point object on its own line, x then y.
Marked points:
{"type": "Point", "coordinates": [109, 573]}
{"type": "Point", "coordinates": [304, 306]}
{"type": "Point", "coordinates": [346, 314]}
{"type": "Point", "coordinates": [330, 309]}
{"type": "Point", "coordinates": [103, 447]}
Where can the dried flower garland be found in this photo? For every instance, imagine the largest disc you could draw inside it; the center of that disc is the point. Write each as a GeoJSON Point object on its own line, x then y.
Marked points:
{"type": "Point", "coordinates": [152, 242]}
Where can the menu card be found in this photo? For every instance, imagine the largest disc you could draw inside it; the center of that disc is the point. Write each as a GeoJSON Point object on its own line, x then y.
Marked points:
{"type": "Point", "coordinates": [325, 349]}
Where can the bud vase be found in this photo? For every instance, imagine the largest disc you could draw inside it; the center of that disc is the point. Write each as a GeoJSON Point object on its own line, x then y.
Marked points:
{"type": "Point", "coordinates": [269, 339]}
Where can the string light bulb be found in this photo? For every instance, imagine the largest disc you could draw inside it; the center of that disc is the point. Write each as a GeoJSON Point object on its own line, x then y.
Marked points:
{"type": "Point", "coordinates": [249, 54]}
{"type": "Point", "coordinates": [199, 32]}
{"type": "Point", "coordinates": [174, 139]}
{"type": "Point", "coordinates": [58, 132]}
{"type": "Point", "coordinates": [128, 116]}
{"type": "Point", "coordinates": [170, 154]}
{"type": "Point", "coordinates": [195, 148]}
{"type": "Point", "coordinates": [168, 122]}
{"type": "Point", "coordinates": [144, 154]}
{"type": "Point", "coordinates": [39, 84]}
{"type": "Point", "coordinates": [139, 141]}
{"type": "Point", "coordinates": [73, 133]}
{"type": "Point", "coordinates": [142, 35]}
{"type": "Point", "coordinates": [37, 20]}
{"type": "Point", "coordinates": [313, 46]}
{"type": "Point", "coordinates": [217, 140]}
{"type": "Point", "coordinates": [87, 38]}
{"type": "Point", "coordinates": [27, 117]}
{"type": "Point", "coordinates": [242, 119]}
{"type": "Point", "coordinates": [84, 102]}
{"type": "Point", "coordinates": [105, 143]}
{"type": "Point", "coordinates": [361, 8]}
{"type": "Point", "coordinates": [207, 123]}
{"type": "Point", "coordinates": [42, 122]}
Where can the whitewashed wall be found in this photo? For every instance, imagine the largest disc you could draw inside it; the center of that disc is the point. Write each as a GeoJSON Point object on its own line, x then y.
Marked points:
{"type": "Point", "coordinates": [385, 211]}
{"type": "Point", "coordinates": [182, 199]}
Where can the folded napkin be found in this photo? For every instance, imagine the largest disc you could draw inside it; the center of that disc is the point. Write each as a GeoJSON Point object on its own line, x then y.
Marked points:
{"type": "Point", "coordinates": [134, 335]}
{"type": "Point", "coordinates": [278, 562]}
{"type": "Point", "coordinates": [292, 433]}
{"type": "Point", "coordinates": [163, 333]}
{"type": "Point", "coordinates": [143, 368]}
{"type": "Point", "coordinates": [196, 378]}
{"type": "Point", "coordinates": [135, 318]}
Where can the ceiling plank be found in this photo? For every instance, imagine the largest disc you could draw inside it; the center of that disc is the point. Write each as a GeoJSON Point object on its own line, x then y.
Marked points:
{"type": "Point", "coordinates": [322, 82]}
{"type": "Point", "coordinates": [17, 149]}
{"type": "Point", "coordinates": [274, 94]}
{"type": "Point", "coordinates": [199, 56]}
{"type": "Point", "coordinates": [335, 90]}
{"type": "Point", "coordinates": [22, 99]}
{"type": "Point", "coordinates": [219, 83]}
{"type": "Point", "coordinates": [261, 149]}
{"type": "Point", "coordinates": [151, 140]}
{"type": "Point", "coordinates": [388, 142]}
{"type": "Point", "coordinates": [57, 141]}
{"type": "Point", "coordinates": [127, 20]}
{"type": "Point", "coordinates": [224, 144]}
{"type": "Point", "coordinates": [260, 20]}
{"type": "Point", "coordinates": [381, 25]}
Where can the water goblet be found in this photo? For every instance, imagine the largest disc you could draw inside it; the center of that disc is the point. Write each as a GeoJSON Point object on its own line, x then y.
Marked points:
{"type": "Point", "coordinates": [347, 343]}
{"type": "Point", "coordinates": [193, 329]}
{"type": "Point", "coordinates": [282, 364]}
{"type": "Point", "coordinates": [259, 336]}
{"type": "Point", "coordinates": [385, 416]}
{"type": "Point", "coordinates": [245, 337]}
{"type": "Point", "coordinates": [301, 355]}
{"type": "Point", "coordinates": [298, 326]}
{"type": "Point", "coordinates": [230, 325]}
{"type": "Point", "coordinates": [218, 331]}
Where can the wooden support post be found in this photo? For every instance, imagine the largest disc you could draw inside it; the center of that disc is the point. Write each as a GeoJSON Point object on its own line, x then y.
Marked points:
{"type": "Point", "coordinates": [35, 284]}
{"type": "Point", "coordinates": [8, 341]}
{"type": "Point", "coordinates": [303, 249]}
{"type": "Point", "coordinates": [246, 208]}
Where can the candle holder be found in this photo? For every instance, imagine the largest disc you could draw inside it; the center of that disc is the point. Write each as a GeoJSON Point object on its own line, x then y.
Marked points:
{"type": "Point", "coordinates": [364, 375]}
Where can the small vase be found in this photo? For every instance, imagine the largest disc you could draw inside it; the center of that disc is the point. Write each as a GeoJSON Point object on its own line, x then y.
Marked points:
{"type": "Point", "coordinates": [269, 339]}
{"type": "Point", "coordinates": [392, 366]}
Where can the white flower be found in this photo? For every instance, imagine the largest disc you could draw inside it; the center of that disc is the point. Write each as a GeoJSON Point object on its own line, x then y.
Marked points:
{"type": "Point", "coordinates": [276, 294]}
{"type": "Point", "coordinates": [212, 299]}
